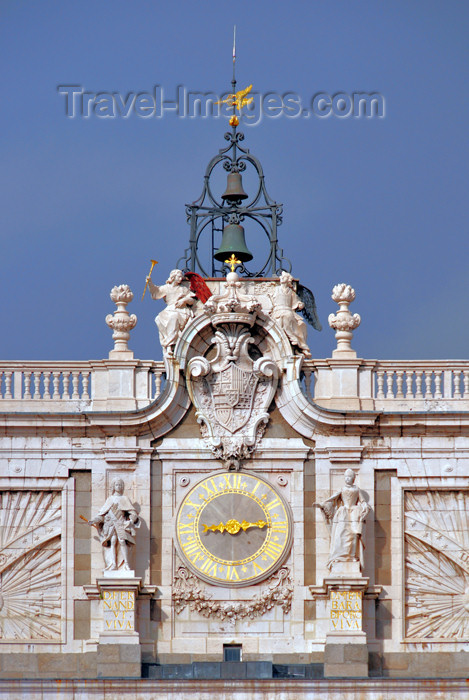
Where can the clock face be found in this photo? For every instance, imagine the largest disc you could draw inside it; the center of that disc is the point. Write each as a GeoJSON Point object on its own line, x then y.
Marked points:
{"type": "Point", "coordinates": [233, 529]}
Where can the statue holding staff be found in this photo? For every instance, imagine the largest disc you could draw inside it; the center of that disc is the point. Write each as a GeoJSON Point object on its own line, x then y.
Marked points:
{"type": "Point", "coordinates": [116, 523]}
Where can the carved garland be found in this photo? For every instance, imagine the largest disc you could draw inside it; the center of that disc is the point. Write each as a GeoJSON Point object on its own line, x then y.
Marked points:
{"type": "Point", "coordinates": [186, 591]}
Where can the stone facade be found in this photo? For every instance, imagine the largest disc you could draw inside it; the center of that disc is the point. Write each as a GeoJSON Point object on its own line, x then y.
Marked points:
{"type": "Point", "coordinates": [222, 451]}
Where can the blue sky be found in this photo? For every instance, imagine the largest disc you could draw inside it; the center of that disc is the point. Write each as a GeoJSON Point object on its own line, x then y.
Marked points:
{"type": "Point", "coordinates": [377, 203]}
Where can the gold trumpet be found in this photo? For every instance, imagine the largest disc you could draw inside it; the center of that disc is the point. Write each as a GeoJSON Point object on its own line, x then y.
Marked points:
{"type": "Point", "coordinates": [233, 526]}
{"type": "Point", "coordinates": [153, 263]}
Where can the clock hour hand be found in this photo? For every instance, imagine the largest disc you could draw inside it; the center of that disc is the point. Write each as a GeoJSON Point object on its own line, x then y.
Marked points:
{"type": "Point", "coordinates": [233, 526]}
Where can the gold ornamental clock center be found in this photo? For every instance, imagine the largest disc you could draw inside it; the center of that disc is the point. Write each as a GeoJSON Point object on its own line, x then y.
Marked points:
{"type": "Point", "coordinates": [233, 529]}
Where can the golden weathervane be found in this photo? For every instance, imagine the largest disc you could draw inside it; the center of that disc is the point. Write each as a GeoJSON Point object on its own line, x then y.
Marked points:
{"type": "Point", "coordinates": [236, 100]}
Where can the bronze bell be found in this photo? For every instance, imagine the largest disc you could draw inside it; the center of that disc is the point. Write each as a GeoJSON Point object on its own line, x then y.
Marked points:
{"type": "Point", "coordinates": [234, 188]}
{"type": "Point", "coordinates": [233, 243]}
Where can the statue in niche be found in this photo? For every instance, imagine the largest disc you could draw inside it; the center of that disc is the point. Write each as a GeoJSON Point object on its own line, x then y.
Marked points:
{"type": "Point", "coordinates": [285, 302]}
{"type": "Point", "coordinates": [116, 523]}
{"type": "Point", "coordinates": [173, 319]}
{"type": "Point", "coordinates": [345, 514]}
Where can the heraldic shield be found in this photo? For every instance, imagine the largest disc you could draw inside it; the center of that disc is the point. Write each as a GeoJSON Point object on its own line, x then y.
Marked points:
{"type": "Point", "coordinates": [232, 393]}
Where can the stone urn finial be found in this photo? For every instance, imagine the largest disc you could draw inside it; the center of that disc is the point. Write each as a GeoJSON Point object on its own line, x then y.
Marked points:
{"type": "Point", "coordinates": [121, 322]}
{"type": "Point", "coordinates": [343, 321]}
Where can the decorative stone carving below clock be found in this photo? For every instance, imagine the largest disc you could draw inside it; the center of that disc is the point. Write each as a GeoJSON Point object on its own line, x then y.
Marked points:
{"type": "Point", "coordinates": [232, 392]}
{"type": "Point", "coordinates": [437, 565]}
{"type": "Point", "coordinates": [187, 591]}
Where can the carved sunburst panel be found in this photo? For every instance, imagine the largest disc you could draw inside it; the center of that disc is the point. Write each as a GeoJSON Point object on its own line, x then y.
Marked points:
{"type": "Point", "coordinates": [437, 565]}
{"type": "Point", "coordinates": [30, 565]}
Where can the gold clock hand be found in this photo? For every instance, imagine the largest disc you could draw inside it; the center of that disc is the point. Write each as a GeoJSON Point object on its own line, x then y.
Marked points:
{"type": "Point", "coordinates": [233, 526]}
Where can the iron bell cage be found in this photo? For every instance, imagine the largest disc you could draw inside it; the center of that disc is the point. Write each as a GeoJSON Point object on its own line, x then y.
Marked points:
{"type": "Point", "coordinates": [213, 217]}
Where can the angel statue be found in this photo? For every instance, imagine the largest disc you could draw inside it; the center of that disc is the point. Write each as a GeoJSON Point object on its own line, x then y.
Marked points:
{"type": "Point", "coordinates": [285, 303]}
{"type": "Point", "coordinates": [345, 514]}
{"type": "Point", "coordinates": [116, 523]}
{"type": "Point", "coordinates": [173, 319]}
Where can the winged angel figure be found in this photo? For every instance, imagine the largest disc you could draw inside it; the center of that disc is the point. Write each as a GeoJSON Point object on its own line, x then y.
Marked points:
{"type": "Point", "coordinates": [285, 303]}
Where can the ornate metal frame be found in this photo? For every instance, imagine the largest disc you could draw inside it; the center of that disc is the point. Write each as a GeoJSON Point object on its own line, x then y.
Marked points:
{"type": "Point", "coordinates": [208, 212]}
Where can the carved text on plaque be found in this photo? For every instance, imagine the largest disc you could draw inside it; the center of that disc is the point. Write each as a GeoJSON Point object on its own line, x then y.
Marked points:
{"type": "Point", "coordinates": [346, 610]}
{"type": "Point", "coordinates": [119, 611]}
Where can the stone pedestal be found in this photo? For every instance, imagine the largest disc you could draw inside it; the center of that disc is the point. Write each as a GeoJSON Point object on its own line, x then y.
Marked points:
{"type": "Point", "coordinates": [119, 654]}
{"type": "Point", "coordinates": [346, 651]}
{"type": "Point", "coordinates": [346, 655]}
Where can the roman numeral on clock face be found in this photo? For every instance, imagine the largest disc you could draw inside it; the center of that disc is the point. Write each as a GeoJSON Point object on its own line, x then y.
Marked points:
{"type": "Point", "coordinates": [209, 567]}
{"type": "Point", "coordinates": [273, 550]}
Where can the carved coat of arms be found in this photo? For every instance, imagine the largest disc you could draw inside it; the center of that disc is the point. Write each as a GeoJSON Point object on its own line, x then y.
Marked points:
{"type": "Point", "coordinates": [232, 392]}
{"type": "Point", "coordinates": [232, 381]}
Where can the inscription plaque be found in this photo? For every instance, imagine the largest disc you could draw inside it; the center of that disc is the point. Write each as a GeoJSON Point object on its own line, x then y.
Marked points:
{"type": "Point", "coordinates": [346, 610]}
{"type": "Point", "coordinates": [119, 611]}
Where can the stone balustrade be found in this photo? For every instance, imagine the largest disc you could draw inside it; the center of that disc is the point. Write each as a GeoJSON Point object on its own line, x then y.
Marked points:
{"type": "Point", "coordinates": [78, 386]}
{"type": "Point", "coordinates": [417, 380]}
{"type": "Point", "coordinates": [388, 385]}
{"type": "Point", "coordinates": [382, 385]}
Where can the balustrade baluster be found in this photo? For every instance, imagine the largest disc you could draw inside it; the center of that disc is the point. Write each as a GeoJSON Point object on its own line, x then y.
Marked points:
{"type": "Point", "coordinates": [75, 379]}
{"type": "Point", "coordinates": [47, 385]}
{"type": "Point", "coordinates": [400, 379]}
{"type": "Point", "coordinates": [466, 384]}
{"type": "Point", "coordinates": [66, 391]}
{"type": "Point", "coordinates": [426, 385]}
{"type": "Point", "coordinates": [8, 381]}
{"type": "Point", "coordinates": [86, 385]}
{"type": "Point", "coordinates": [157, 376]}
{"type": "Point", "coordinates": [380, 380]}
{"type": "Point", "coordinates": [34, 385]}
{"type": "Point", "coordinates": [55, 384]}
{"type": "Point", "coordinates": [27, 385]}
{"type": "Point", "coordinates": [389, 382]}
{"type": "Point", "coordinates": [438, 392]}
{"type": "Point", "coordinates": [409, 393]}
{"type": "Point", "coordinates": [40, 391]}
{"type": "Point", "coordinates": [418, 384]}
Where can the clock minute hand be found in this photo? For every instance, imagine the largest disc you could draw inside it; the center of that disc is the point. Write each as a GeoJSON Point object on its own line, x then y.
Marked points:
{"type": "Point", "coordinates": [233, 526]}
